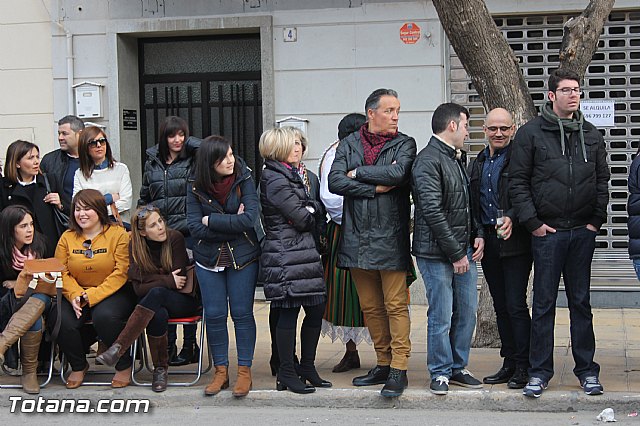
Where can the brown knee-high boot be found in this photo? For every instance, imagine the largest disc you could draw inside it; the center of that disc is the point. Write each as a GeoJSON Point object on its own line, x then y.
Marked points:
{"type": "Point", "coordinates": [29, 348]}
{"type": "Point", "coordinates": [160, 358]}
{"type": "Point", "coordinates": [19, 323]}
{"type": "Point", "coordinates": [138, 321]}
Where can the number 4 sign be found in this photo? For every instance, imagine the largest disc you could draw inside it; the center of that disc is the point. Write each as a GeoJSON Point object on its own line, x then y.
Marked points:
{"type": "Point", "coordinates": [290, 34]}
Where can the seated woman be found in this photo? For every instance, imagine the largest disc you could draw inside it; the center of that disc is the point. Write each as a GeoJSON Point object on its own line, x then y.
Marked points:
{"type": "Point", "coordinates": [18, 242]}
{"type": "Point", "coordinates": [158, 258]}
{"type": "Point", "coordinates": [99, 170]}
{"type": "Point", "coordinates": [96, 255]}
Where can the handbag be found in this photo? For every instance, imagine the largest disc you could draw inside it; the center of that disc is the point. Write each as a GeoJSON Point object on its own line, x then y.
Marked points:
{"type": "Point", "coordinates": [62, 219]}
{"type": "Point", "coordinates": [42, 269]}
{"type": "Point", "coordinates": [116, 215]}
{"type": "Point", "coordinates": [190, 287]}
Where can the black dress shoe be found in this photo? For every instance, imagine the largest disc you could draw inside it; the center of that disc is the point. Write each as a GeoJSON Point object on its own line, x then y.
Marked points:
{"type": "Point", "coordinates": [349, 361]}
{"type": "Point", "coordinates": [376, 376]}
{"type": "Point", "coordinates": [519, 379]}
{"type": "Point", "coordinates": [502, 376]}
{"type": "Point", "coordinates": [396, 383]}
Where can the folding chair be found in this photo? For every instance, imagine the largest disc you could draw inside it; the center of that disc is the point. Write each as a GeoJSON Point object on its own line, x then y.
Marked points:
{"type": "Point", "coordinates": [193, 320]}
{"type": "Point", "coordinates": [49, 374]}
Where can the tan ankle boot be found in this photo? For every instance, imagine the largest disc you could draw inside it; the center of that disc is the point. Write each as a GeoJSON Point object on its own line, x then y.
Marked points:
{"type": "Point", "coordinates": [19, 323]}
{"type": "Point", "coordinates": [29, 348]}
{"type": "Point", "coordinates": [243, 382]}
{"type": "Point", "coordinates": [220, 381]}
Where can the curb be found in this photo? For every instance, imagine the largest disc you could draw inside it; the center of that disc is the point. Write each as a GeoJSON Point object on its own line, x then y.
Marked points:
{"type": "Point", "coordinates": [467, 400]}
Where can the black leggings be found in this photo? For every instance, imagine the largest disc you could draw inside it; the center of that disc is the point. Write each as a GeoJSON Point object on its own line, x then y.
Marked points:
{"type": "Point", "coordinates": [167, 304]}
{"type": "Point", "coordinates": [109, 318]}
{"type": "Point", "coordinates": [288, 317]}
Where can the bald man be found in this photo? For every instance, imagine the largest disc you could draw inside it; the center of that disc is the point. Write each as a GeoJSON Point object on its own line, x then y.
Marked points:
{"type": "Point", "coordinates": [507, 251]}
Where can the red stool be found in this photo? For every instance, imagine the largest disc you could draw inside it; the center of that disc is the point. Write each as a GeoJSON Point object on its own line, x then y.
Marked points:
{"type": "Point", "coordinates": [194, 320]}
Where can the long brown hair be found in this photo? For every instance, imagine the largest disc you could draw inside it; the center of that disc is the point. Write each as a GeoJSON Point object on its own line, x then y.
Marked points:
{"type": "Point", "coordinates": [87, 166]}
{"type": "Point", "coordinates": [140, 248]}
{"type": "Point", "coordinates": [91, 199]}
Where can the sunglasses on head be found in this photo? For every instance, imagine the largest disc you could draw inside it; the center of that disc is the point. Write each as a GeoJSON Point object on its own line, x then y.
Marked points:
{"type": "Point", "coordinates": [94, 143]}
{"type": "Point", "coordinates": [149, 208]}
{"type": "Point", "coordinates": [88, 253]}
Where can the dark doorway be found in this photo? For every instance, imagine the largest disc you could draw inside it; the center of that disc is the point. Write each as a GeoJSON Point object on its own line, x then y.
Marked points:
{"type": "Point", "coordinates": [211, 82]}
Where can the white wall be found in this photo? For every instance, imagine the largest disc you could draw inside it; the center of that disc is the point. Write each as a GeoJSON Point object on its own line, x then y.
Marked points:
{"type": "Point", "coordinates": [26, 109]}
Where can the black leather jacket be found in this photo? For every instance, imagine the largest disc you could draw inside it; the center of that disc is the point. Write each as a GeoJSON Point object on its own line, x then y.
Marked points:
{"type": "Point", "coordinates": [444, 225]}
{"type": "Point", "coordinates": [55, 165]}
{"type": "Point", "coordinates": [165, 186]}
{"type": "Point", "coordinates": [520, 240]}
{"type": "Point", "coordinates": [375, 227]}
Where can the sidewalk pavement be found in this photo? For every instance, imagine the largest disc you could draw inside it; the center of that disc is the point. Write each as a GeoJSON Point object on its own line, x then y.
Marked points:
{"type": "Point", "coordinates": [618, 353]}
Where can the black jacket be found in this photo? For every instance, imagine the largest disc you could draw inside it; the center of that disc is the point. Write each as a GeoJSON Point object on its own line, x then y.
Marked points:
{"type": "Point", "coordinates": [562, 190]}
{"type": "Point", "coordinates": [165, 186]}
{"type": "Point", "coordinates": [44, 216]}
{"type": "Point", "coordinates": [520, 240]}
{"type": "Point", "coordinates": [444, 226]}
{"type": "Point", "coordinates": [290, 264]}
{"type": "Point", "coordinates": [225, 225]}
{"type": "Point", "coordinates": [633, 209]}
{"type": "Point", "coordinates": [375, 227]}
{"type": "Point", "coordinates": [55, 165]}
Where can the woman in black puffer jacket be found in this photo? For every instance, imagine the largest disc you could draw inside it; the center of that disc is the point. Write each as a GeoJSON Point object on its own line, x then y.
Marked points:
{"type": "Point", "coordinates": [633, 209]}
{"type": "Point", "coordinates": [290, 266]}
{"type": "Point", "coordinates": [164, 185]}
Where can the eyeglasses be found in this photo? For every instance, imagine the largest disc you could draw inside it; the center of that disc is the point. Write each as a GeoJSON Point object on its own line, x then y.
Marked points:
{"type": "Point", "coordinates": [94, 143]}
{"type": "Point", "coordinates": [568, 90]}
{"type": "Point", "coordinates": [149, 208]}
{"type": "Point", "coordinates": [503, 129]}
{"type": "Point", "coordinates": [88, 253]}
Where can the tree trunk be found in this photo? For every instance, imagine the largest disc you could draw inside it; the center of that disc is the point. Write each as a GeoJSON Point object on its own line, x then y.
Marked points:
{"type": "Point", "coordinates": [486, 330]}
{"type": "Point", "coordinates": [581, 35]}
{"type": "Point", "coordinates": [486, 56]}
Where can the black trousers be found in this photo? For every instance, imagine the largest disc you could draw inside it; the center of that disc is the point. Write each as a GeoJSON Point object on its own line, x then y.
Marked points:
{"type": "Point", "coordinates": [109, 318]}
{"type": "Point", "coordinates": [507, 278]}
{"type": "Point", "coordinates": [167, 304]}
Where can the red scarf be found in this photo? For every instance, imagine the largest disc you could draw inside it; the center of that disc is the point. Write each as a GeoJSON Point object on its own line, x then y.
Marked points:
{"type": "Point", "coordinates": [373, 143]}
{"type": "Point", "coordinates": [220, 190]}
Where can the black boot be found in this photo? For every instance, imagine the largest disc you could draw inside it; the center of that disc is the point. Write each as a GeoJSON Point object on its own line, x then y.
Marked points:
{"type": "Point", "coordinates": [376, 376]}
{"type": "Point", "coordinates": [274, 362]}
{"type": "Point", "coordinates": [188, 355]}
{"type": "Point", "coordinates": [397, 382]}
{"type": "Point", "coordinates": [287, 377]}
{"type": "Point", "coordinates": [309, 344]}
{"type": "Point", "coordinates": [519, 379]}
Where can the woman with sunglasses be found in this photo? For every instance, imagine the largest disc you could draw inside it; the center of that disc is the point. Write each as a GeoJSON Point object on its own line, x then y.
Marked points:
{"type": "Point", "coordinates": [19, 242]}
{"type": "Point", "coordinates": [23, 184]}
{"type": "Point", "coordinates": [95, 253]}
{"type": "Point", "coordinates": [164, 185]}
{"type": "Point", "coordinates": [222, 208]}
{"type": "Point", "coordinates": [158, 258]}
{"type": "Point", "coordinates": [98, 170]}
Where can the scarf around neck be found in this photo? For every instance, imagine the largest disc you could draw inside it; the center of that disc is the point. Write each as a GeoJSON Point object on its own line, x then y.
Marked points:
{"type": "Point", "coordinates": [19, 258]}
{"type": "Point", "coordinates": [220, 190]}
{"type": "Point", "coordinates": [373, 143]}
{"type": "Point", "coordinates": [567, 125]}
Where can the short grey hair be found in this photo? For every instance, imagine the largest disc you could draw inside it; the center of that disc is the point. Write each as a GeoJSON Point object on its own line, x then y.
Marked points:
{"type": "Point", "coordinates": [373, 101]}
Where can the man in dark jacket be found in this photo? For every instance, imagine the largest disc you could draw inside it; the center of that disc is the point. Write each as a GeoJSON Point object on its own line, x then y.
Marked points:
{"type": "Point", "coordinates": [559, 190]}
{"type": "Point", "coordinates": [61, 165]}
{"type": "Point", "coordinates": [507, 260]}
{"type": "Point", "coordinates": [447, 244]}
{"type": "Point", "coordinates": [371, 170]}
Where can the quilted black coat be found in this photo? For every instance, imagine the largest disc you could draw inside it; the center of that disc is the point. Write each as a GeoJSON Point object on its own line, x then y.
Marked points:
{"type": "Point", "coordinates": [290, 264]}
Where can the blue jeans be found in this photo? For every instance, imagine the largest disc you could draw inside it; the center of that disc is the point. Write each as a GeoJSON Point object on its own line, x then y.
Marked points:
{"type": "Point", "coordinates": [232, 290]}
{"type": "Point", "coordinates": [568, 253]}
{"type": "Point", "coordinates": [453, 301]}
{"type": "Point", "coordinates": [37, 326]}
{"type": "Point", "coordinates": [636, 266]}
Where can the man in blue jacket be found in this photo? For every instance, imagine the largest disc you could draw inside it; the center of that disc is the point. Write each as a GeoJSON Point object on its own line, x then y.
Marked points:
{"type": "Point", "coordinates": [560, 193]}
